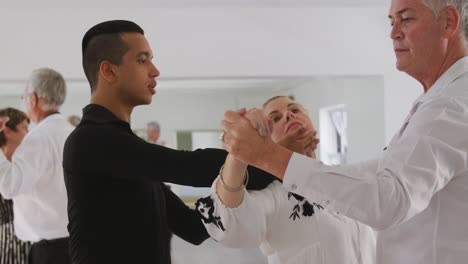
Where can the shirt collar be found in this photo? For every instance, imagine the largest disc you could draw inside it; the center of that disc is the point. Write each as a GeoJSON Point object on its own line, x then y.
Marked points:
{"type": "Point", "coordinates": [456, 70]}
{"type": "Point", "coordinates": [49, 118]}
{"type": "Point", "coordinates": [99, 114]}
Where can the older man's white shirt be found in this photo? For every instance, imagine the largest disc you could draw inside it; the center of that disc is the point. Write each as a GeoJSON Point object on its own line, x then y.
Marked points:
{"type": "Point", "coordinates": [34, 180]}
{"type": "Point", "coordinates": [417, 192]}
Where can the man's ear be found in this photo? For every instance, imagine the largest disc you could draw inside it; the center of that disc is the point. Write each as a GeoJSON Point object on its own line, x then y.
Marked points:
{"type": "Point", "coordinates": [451, 19]}
{"type": "Point", "coordinates": [107, 71]}
{"type": "Point", "coordinates": [3, 121]}
{"type": "Point", "coordinates": [34, 99]}
{"type": "Point", "coordinates": [8, 131]}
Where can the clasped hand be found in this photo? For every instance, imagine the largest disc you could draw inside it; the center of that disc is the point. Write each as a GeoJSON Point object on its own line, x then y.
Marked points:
{"type": "Point", "coordinates": [248, 136]}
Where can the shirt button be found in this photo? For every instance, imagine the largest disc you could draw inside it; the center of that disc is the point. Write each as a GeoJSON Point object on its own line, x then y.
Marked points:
{"type": "Point", "coordinates": [293, 187]}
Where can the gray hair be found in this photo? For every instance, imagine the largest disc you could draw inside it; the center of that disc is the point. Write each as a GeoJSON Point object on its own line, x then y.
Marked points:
{"type": "Point", "coordinates": [153, 125]}
{"type": "Point", "coordinates": [49, 85]}
{"type": "Point", "coordinates": [462, 6]}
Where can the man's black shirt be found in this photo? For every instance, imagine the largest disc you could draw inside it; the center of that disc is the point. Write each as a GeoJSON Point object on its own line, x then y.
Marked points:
{"type": "Point", "coordinates": [118, 207]}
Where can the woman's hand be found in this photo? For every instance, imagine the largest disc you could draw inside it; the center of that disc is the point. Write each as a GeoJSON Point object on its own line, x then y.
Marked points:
{"type": "Point", "coordinates": [302, 140]}
{"type": "Point", "coordinates": [251, 146]}
{"type": "Point", "coordinates": [257, 120]}
{"type": "Point", "coordinates": [242, 139]}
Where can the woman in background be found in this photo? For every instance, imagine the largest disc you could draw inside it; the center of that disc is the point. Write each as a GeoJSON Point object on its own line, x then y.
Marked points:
{"type": "Point", "coordinates": [13, 127]}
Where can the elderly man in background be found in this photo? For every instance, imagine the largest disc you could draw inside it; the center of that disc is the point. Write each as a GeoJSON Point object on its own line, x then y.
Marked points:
{"type": "Point", "coordinates": [416, 193]}
{"type": "Point", "coordinates": [33, 178]}
{"type": "Point", "coordinates": [153, 133]}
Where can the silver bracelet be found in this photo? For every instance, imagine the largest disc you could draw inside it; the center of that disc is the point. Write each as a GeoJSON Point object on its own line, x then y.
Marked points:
{"type": "Point", "coordinates": [230, 189]}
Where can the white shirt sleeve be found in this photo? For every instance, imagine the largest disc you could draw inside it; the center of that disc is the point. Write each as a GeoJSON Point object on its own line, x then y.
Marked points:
{"type": "Point", "coordinates": [241, 227]}
{"type": "Point", "coordinates": [423, 157]}
{"type": "Point", "coordinates": [19, 175]}
{"type": "Point", "coordinates": [367, 243]}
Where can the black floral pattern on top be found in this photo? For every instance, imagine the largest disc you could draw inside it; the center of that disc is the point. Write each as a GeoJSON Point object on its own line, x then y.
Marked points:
{"type": "Point", "coordinates": [205, 207]}
{"type": "Point", "coordinates": [307, 209]}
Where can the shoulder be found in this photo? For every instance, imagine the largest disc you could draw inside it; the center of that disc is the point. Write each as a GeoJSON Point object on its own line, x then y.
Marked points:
{"type": "Point", "coordinates": [273, 190]}
{"type": "Point", "coordinates": [274, 199]}
{"type": "Point", "coordinates": [90, 131]}
{"type": "Point", "coordinates": [35, 136]}
{"type": "Point", "coordinates": [456, 91]}
{"type": "Point", "coordinates": [52, 127]}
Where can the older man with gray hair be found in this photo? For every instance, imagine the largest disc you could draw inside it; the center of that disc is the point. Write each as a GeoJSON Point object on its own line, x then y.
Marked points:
{"type": "Point", "coordinates": [416, 192]}
{"type": "Point", "coordinates": [33, 178]}
{"type": "Point", "coordinates": [153, 133]}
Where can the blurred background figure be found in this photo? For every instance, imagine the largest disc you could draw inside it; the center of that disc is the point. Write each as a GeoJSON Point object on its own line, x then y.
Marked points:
{"type": "Point", "coordinates": [153, 133]}
{"type": "Point", "coordinates": [12, 250]}
{"type": "Point", "coordinates": [33, 176]}
{"type": "Point", "coordinates": [74, 120]}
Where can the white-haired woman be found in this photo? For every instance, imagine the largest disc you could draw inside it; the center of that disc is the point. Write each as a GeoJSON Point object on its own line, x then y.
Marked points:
{"type": "Point", "coordinates": [286, 227]}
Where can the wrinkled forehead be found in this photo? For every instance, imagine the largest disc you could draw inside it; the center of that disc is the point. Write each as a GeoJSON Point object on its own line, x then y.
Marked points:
{"type": "Point", "coordinates": [279, 105]}
{"type": "Point", "coordinates": [398, 7]}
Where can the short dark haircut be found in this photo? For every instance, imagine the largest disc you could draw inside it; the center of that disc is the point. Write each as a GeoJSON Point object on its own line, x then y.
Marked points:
{"type": "Point", "coordinates": [103, 42]}
{"type": "Point", "coordinates": [16, 117]}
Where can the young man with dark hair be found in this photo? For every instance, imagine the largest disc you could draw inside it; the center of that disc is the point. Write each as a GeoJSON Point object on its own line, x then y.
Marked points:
{"type": "Point", "coordinates": [119, 209]}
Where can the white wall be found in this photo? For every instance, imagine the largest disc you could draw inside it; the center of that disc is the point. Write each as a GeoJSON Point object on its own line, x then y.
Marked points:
{"type": "Point", "coordinates": [205, 42]}
{"type": "Point", "coordinates": [364, 100]}
{"type": "Point", "coordinates": [208, 41]}
{"type": "Point", "coordinates": [197, 110]}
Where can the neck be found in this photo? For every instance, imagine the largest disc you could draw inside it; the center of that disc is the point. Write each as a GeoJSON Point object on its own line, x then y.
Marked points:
{"type": "Point", "coordinates": [8, 151]}
{"type": "Point", "coordinates": [111, 103]}
{"type": "Point", "coordinates": [456, 50]}
{"type": "Point", "coordinates": [41, 115]}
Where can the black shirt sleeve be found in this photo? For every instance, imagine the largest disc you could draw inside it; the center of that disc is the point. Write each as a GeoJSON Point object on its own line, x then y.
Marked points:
{"type": "Point", "coordinates": [112, 150]}
{"type": "Point", "coordinates": [183, 221]}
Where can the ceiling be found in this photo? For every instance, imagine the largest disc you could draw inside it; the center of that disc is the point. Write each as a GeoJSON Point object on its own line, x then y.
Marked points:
{"type": "Point", "coordinates": [224, 44]}
{"type": "Point", "coordinates": [194, 3]}
{"type": "Point", "coordinates": [237, 84]}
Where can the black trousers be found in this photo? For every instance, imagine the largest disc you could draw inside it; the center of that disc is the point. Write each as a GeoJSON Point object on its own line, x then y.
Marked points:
{"type": "Point", "coordinates": [53, 251]}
